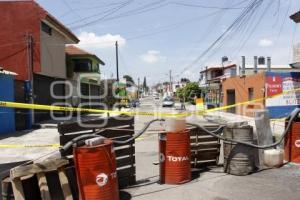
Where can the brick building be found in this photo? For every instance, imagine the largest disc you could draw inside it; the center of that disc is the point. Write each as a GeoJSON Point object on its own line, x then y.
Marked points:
{"type": "Point", "coordinates": [241, 89]}
{"type": "Point", "coordinates": [33, 45]}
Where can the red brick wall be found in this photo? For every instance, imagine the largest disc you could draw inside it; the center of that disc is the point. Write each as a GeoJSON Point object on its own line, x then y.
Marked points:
{"type": "Point", "coordinates": [241, 86]}
{"type": "Point", "coordinates": [17, 19]}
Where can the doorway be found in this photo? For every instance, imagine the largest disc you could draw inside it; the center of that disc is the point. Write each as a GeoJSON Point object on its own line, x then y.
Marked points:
{"type": "Point", "coordinates": [231, 100]}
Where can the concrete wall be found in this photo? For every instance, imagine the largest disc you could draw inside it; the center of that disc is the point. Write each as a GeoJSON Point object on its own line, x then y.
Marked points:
{"type": "Point", "coordinates": [19, 18]}
{"type": "Point", "coordinates": [53, 57]}
{"type": "Point", "coordinates": [296, 53]}
{"type": "Point", "coordinates": [241, 86]}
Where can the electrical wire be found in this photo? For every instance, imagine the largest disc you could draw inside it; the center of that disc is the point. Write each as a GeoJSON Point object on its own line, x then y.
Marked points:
{"type": "Point", "coordinates": [293, 116]}
{"type": "Point", "coordinates": [204, 6]}
{"type": "Point", "coordinates": [107, 13]}
{"type": "Point", "coordinates": [239, 20]}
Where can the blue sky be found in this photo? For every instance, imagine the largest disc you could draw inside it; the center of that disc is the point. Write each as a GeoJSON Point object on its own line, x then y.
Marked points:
{"type": "Point", "coordinates": [156, 36]}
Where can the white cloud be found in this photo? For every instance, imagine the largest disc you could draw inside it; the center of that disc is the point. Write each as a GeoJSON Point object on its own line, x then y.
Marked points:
{"type": "Point", "coordinates": [265, 42]}
{"type": "Point", "coordinates": [92, 40]}
{"type": "Point", "coordinates": [152, 56]}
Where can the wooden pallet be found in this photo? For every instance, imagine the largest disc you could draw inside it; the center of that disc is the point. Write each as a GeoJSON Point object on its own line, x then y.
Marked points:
{"type": "Point", "coordinates": [121, 128]}
{"type": "Point", "coordinates": [205, 149]}
{"type": "Point", "coordinates": [39, 170]}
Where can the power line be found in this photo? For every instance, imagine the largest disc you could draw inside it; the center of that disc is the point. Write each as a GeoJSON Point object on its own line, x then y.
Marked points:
{"type": "Point", "coordinates": [140, 10]}
{"type": "Point", "coordinates": [207, 7]}
{"type": "Point", "coordinates": [107, 13]}
{"type": "Point", "coordinates": [229, 30]}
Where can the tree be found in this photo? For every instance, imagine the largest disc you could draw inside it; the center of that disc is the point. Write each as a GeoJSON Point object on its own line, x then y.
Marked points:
{"type": "Point", "coordinates": [129, 80]}
{"type": "Point", "coordinates": [189, 92]}
{"type": "Point", "coordinates": [145, 87]}
{"type": "Point", "coordinates": [185, 80]}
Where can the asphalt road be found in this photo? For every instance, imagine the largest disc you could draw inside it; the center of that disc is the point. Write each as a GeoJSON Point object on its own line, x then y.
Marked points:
{"type": "Point", "coordinates": [210, 184]}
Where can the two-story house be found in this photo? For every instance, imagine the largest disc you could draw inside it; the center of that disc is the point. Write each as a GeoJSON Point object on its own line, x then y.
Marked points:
{"type": "Point", "coordinates": [83, 72]}
{"type": "Point", "coordinates": [33, 45]}
{"type": "Point", "coordinates": [211, 82]}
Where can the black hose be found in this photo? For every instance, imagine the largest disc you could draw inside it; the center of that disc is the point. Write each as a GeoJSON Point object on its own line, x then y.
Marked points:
{"type": "Point", "coordinates": [141, 132]}
{"type": "Point", "coordinates": [69, 144]}
{"type": "Point", "coordinates": [293, 116]}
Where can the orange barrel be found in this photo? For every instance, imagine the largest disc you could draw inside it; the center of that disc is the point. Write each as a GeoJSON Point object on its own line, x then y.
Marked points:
{"type": "Point", "coordinates": [175, 157]}
{"type": "Point", "coordinates": [96, 172]}
{"type": "Point", "coordinates": [292, 144]}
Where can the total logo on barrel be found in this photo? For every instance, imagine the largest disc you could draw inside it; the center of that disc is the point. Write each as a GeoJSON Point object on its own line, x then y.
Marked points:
{"type": "Point", "coordinates": [175, 156]}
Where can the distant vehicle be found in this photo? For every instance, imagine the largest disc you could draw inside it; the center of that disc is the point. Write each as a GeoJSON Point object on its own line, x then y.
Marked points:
{"type": "Point", "coordinates": [135, 103]}
{"type": "Point", "coordinates": [168, 102]}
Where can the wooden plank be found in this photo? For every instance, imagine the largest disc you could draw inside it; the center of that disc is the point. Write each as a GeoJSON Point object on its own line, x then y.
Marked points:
{"type": "Point", "coordinates": [125, 161]}
{"type": "Point", "coordinates": [48, 165]}
{"type": "Point", "coordinates": [205, 156]}
{"type": "Point", "coordinates": [126, 172]}
{"type": "Point", "coordinates": [208, 145]}
{"type": "Point", "coordinates": [114, 133]}
{"type": "Point", "coordinates": [64, 183]}
{"type": "Point", "coordinates": [201, 139]}
{"type": "Point", "coordinates": [125, 151]}
{"type": "Point", "coordinates": [127, 181]}
{"type": "Point", "coordinates": [17, 189]}
{"type": "Point", "coordinates": [42, 181]}
{"type": "Point", "coordinates": [69, 127]}
{"type": "Point", "coordinates": [129, 143]}
{"type": "Point", "coordinates": [7, 192]}
{"type": "Point", "coordinates": [63, 139]}
{"type": "Point", "coordinates": [204, 163]}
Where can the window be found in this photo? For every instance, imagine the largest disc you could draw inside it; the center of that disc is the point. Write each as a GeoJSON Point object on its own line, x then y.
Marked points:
{"type": "Point", "coordinates": [82, 65]}
{"type": "Point", "coordinates": [47, 29]}
{"type": "Point", "coordinates": [250, 94]}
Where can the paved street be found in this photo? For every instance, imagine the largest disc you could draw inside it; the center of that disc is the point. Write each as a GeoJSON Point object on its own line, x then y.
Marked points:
{"type": "Point", "coordinates": [209, 184]}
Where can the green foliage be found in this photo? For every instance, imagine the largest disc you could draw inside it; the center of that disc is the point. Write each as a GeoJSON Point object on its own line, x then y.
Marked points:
{"type": "Point", "coordinates": [129, 80]}
{"type": "Point", "coordinates": [189, 92]}
{"type": "Point", "coordinates": [145, 87]}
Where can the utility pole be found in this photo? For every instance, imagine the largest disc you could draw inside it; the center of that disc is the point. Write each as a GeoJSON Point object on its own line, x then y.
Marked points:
{"type": "Point", "coordinates": [138, 88]}
{"type": "Point", "coordinates": [170, 74]}
{"type": "Point", "coordinates": [117, 60]}
{"type": "Point", "coordinates": [30, 91]}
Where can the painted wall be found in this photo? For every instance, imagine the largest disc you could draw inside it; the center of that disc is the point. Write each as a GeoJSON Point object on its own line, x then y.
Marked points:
{"type": "Point", "coordinates": [17, 19]}
{"type": "Point", "coordinates": [7, 115]}
{"type": "Point", "coordinates": [241, 86]}
{"type": "Point", "coordinates": [278, 83]}
{"type": "Point", "coordinates": [53, 57]}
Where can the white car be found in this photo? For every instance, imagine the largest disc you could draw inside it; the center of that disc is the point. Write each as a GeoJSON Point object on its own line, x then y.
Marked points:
{"type": "Point", "coordinates": [168, 102]}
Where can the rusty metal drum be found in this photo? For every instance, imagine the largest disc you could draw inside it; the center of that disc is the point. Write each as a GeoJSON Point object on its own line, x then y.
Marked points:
{"type": "Point", "coordinates": [96, 171]}
{"type": "Point", "coordinates": [239, 159]}
{"type": "Point", "coordinates": [292, 144]}
{"type": "Point", "coordinates": [175, 157]}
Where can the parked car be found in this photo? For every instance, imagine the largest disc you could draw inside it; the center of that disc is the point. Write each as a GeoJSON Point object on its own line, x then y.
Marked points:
{"type": "Point", "coordinates": [135, 103]}
{"type": "Point", "coordinates": [168, 102]}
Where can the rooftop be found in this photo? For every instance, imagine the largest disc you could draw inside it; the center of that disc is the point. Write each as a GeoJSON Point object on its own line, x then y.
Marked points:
{"type": "Point", "coordinates": [272, 67]}
{"type": "Point", "coordinates": [49, 19]}
{"type": "Point", "coordinates": [296, 17]}
{"type": "Point", "coordinates": [218, 67]}
{"type": "Point", "coordinates": [76, 51]}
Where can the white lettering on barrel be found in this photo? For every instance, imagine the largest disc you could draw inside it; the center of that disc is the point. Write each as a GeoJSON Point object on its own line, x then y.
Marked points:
{"type": "Point", "coordinates": [177, 159]}
{"type": "Point", "coordinates": [297, 143]}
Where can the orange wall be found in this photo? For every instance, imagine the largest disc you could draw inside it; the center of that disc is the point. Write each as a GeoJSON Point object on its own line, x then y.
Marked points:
{"type": "Point", "coordinates": [241, 85]}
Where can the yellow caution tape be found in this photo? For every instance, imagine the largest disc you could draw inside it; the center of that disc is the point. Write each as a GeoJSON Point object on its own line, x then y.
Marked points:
{"type": "Point", "coordinates": [130, 113]}
{"type": "Point", "coordinates": [30, 145]}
